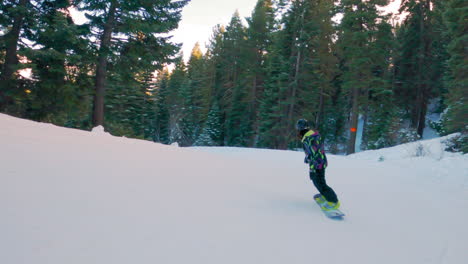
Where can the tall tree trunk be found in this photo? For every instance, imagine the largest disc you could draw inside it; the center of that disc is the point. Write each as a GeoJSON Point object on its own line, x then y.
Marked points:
{"type": "Point", "coordinates": [289, 109]}
{"type": "Point", "coordinates": [294, 88]}
{"type": "Point", "coordinates": [353, 122]}
{"type": "Point", "coordinates": [11, 56]}
{"type": "Point", "coordinates": [296, 72]}
{"type": "Point", "coordinates": [101, 67]}
{"type": "Point", "coordinates": [253, 107]}
{"type": "Point", "coordinates": [422, 114]}
{"type": "Point", "coordinates": [319, 116]}
{"type": "Point", "coordinates": [419, 118]}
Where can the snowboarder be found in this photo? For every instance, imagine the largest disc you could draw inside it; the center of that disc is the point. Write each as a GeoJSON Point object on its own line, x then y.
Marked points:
{"type": "Point", "coordinates": [315, 156]}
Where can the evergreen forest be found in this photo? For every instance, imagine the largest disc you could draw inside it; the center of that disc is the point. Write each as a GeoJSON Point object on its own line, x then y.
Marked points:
{"type": "Point", "coordinates": [345, 66]}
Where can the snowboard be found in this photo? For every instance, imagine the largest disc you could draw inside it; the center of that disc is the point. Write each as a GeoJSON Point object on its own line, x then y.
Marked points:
{"type": "Point", "coordinates": [332, 214]}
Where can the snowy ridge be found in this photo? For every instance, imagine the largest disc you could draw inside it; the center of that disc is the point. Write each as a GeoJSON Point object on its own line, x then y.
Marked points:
{"type": "Point", "coordinates": [71, 196]}
{"type": "Point", "coordinates": [431, 148]}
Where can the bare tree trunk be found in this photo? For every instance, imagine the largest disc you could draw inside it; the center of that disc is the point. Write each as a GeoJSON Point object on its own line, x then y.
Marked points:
{"type": "Point", "coordinates": [11, 55]}
{"type": "Point", "coordinates": [296, 73]}
{"type": "Point", "coordinates": [319, 116]}
{"type": "Point", "coordinates": [253, 107]}
{"type": "Point", "coordinates": [419, 118]}
{"type": "Point", "coordinates": [101, 67]}
{"type": "Point", "coordinates": [422, 115]}
{"type": "Point", "coordinates": [289, 109]}
{"type": "Point", "coordinates": [292, 92]}
{"type": "Point", "coordinates": [353, 122]}
{"type": "Point", "coordinates": [294, 88]}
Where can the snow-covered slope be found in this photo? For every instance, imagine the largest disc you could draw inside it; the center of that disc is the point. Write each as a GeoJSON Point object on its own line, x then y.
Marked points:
{"type": "Point", "coordinates": [70, 196]}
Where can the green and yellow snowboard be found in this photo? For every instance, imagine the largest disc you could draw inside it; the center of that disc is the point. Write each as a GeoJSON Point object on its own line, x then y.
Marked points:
{"type": "Point", "coordinates": [334, 214]}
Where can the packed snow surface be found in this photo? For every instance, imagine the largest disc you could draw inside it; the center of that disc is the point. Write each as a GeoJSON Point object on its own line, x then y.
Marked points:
{"type": "Point", "coordinates": [71, 196]}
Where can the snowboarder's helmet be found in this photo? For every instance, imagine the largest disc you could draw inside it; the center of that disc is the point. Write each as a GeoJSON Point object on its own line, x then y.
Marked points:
{"type": "Point", "coordinates": [302, 124]}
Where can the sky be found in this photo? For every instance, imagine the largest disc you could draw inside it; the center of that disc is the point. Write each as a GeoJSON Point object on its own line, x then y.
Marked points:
{"type": "Point", "coordinates": [199, 17]}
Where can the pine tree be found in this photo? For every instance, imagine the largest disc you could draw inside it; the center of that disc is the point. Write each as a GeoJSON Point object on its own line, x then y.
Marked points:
{"type": "Point", "coordinates": [215, 66]}
{"type": "Point", "coordinates": [379, 113]}
{"type": "Point", "coordinates": [134, 25]}
{"type": "Point", "coordinates": [44, 35]}
{"type": "Point", "coordinates": [320, 68]}
{"type": "Point", "coordinates": [59, 67]}
{"type": "Point", "coordinates": [237, 128]}
{"type": "Point", "coordinates": [420, 66]}
{"type": "Point", "coordinates": [161, 133]}
{"type": "Point", "coordinates": [270, 107]}
{"type": "Point", "coordinates": [302, 71]}
{"type": "Point", "coordinates": [457, 111]}
{"type": "Point", "coordinates": [176, 88]}
{"type": "Point", "coordinates": [261, 26]}
{"type": "Point", "coordinates": [359, 28]}
{"type": "Point", "coordinates": [148, 124]}
{"type": "Point", "coordinates": [16, 20]}
{"type": "Point", "coordinates": [196, 97]}
{"type": "Point", "coordinates": [13, 16]}
{"type": "Point", "coordinates": [129, 103]}
{"type": "Point", "coordinates": [212, 129]}
{"type": "Point", "coordinates": [281, 87]}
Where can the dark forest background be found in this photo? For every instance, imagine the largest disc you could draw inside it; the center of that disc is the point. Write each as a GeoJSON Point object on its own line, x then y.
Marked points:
{"type": "Point", "coordinates": [335, 63]}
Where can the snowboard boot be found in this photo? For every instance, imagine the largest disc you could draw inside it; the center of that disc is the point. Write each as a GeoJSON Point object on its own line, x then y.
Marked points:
{"type": "Point", "coordinates": [320, 199]}
{"type": "Point", "coordinates": [329, 206]}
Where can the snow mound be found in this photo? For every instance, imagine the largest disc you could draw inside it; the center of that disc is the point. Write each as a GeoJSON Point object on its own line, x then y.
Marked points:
{"type": "Point", "coordinates": [432, 148]}
{"type": "Point", "coordinates": [99, 130]}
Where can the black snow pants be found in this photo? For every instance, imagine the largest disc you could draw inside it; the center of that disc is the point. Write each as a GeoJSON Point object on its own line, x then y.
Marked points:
{"type": "Point", "coordinates": [318, 178]}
